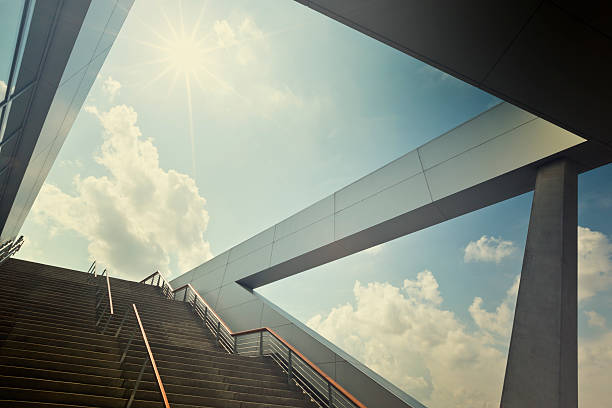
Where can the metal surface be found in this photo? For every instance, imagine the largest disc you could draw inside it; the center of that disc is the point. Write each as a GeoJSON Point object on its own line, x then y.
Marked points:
{"type": "Point", "coordinates": [151, 358]}
{"type": "Point", "coordinates": [550, 57]}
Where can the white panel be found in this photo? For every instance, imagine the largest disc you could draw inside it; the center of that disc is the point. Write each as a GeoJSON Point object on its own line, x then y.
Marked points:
{"type": "Point", "coordinates": [499, 119]}
{"type": "Point", "coordinates": [213, 264]}
{"type": "Point", "coordinates": [57, 113]}
{"type": "Point", "coordinates": [314, 236]}
{"type": "Point", "coordinates": [256, 242]}
{"type": "Point", "coordinates": [247, 265]}
{"type": "Point", "coordinates": [399, 199]}
{"type": "Point", "coordinates": [208, 281]}
{"type": "Point", "coordinates": [92, 29]}
{"type": "Point", "coordinates": [181, 280]}
{"type": "Point", "coordinates": [242, 317]}
{"type": "Point", "coordinates": [232, 295]}
{"type": "Point", "coordinates": [316, 212]}
{"type": "Point", "coordinates": [271, 318]}
{"type": "Point", "coordinates": [211, 297]}
{"type": "Point", "coordinates": [114, 25]}
{"type": "Point", "coordinates": [387, 176]}
{"type": "Point", "coordinates": [531, 142]}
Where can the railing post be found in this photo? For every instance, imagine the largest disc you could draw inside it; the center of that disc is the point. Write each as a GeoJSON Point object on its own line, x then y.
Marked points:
{"type": "Point", "coordinates": [158, 279]}
{"type": "Point", "coordinates": [122, 321]}
{"type": "Point", "coordinates": [289, 366]}
{"type": "Point", "coordinates": [218, 330]}
{"type": "Point", "coordinates": [261, 343]}
{"type": "Point", "coordinates": [330, 396]}
{"type": "Point", "coordinates": [185, 295]}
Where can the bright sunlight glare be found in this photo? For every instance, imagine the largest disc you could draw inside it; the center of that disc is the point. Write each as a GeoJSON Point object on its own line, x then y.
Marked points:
{"type": "Point", "coordinates": [185, 55]}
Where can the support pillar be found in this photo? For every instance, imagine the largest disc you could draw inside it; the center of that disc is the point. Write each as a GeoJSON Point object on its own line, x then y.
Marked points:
{"type": "Point", "coordinates": [542, 368]}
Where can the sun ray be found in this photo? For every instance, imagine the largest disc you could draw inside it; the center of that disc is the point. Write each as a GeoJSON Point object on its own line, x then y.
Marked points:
{"type": "Point", "coordinates": [191, 132]}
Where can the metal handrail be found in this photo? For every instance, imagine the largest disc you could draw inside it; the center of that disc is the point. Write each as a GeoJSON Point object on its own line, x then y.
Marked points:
{"type": "Point", "coordinates": [223, 334]}
{"type": "Point", "coordinates": [308, 376]}
{"type": "Point", "coordinates": [166, 288]}
{"type": "Point", "coordinates": [152, 359]}
{"type": "Point", "coordinates": [108, 311]}
{"type": "Point", "coordinates": [110, 296]}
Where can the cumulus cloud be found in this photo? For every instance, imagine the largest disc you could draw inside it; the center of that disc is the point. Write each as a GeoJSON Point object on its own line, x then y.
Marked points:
{"type": "Point", "coordinates": [595, 319]}
{"type": "Point", "coordinates": [594, 263]}
{"type": "Point", "coordinates": [488, 249]}
{"type": "Point", "coordinates": [498, 322]}
{"type": "Point", "coordinates": [3, 87]}
{"type": "Point", "coordinates": [404, 334]}
{"type": "Point", "coordinates": [138, 217]}
{"type": "Point", "coordinates": [225, 34]}
{"type": "Point", "coordinates": [594, 362]}
{"type": "Point", "coordinates": [239, 36]}
{"type": "Point", "coordinates": [111, 87]}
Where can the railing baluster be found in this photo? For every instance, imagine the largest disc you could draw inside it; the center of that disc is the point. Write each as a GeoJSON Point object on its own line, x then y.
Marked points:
{"type": "Point", "coordinates": [289, 366]}
{"type": "Point", "coordinates": [101, 315]}
{"type": "Point", "coordinates": [261, 343]}
{"type": "Point", "coordinates": [131, 400]}
{"type": "Point", "coordinates": [127, 347]}
{"type": "Point", "coordinates": [121, 324]}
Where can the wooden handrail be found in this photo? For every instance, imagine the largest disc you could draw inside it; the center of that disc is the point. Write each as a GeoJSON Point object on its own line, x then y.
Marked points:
{"type": "Point", "coordinates": [110, 297]}
{"type": "Point", "coordinates": [312, 365]}
{"type": "Point", "coordinates": [146, 341]}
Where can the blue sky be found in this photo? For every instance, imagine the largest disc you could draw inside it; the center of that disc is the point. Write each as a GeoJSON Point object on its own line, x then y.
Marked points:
{"type": "Point", "coordinates": [288, 106]}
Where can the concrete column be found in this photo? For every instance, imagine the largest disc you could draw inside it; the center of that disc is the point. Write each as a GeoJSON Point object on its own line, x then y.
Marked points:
{"type": "Point", "coordinates": [542, 368]}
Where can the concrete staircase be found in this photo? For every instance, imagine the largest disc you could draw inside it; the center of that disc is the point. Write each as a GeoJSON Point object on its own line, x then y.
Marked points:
{"type": "Point", "coordinates": [52, 354]}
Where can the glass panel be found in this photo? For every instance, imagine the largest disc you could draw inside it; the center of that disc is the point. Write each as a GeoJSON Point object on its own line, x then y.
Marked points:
{"type": "Point", "coordinates": [10, 19]}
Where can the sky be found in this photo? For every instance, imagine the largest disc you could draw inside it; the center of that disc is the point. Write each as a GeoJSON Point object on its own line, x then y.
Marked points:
{"type": "Point", "coordinates": [209, 122]}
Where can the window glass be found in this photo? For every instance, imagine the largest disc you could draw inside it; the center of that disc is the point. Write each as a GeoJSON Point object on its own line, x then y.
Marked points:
{"type": "Point", "coordinates": [10, 19]}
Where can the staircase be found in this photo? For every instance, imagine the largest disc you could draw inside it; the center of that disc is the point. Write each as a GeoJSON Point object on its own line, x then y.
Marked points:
{"type": "Point", "coordinates": [53, 355]}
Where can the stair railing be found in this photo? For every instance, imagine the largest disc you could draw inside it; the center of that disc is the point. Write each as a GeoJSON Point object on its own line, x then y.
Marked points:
{"type": "Point", "coordinates": [101, 296]}
{"type": "Point", "coordinates": [264, 341]}
{"type": "Point", "coordinates": [210, 319]}
{"type": "Point", "coordinates": [148, 359]}
{"type": "Point", "coordinates": [9, 248]}
{"type": "Point", "coordinates": [91, 272]}
{"type": "Point", "coordinates": [166, 288]}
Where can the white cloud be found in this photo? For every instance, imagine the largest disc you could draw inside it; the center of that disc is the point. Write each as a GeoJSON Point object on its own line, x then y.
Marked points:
{"type": "Point", "coordinates": [404, 334]}
{"type": "Point", "coordinates": [240, 36]}
{"type": "Point", "coordinates": [375, 250]}
{"type": "Point", "coordinates": [488, 249]}
{"type": "Point", "coordinates": [139, 215]}
{"type": "Point", "coordinates": [225, 34]}
{"type": "Point", "coordinates": [498, 322]}
{"type": "Point", "coordinates": [3, 87]}
{"type": "Point", "coordinates": [111, 87]}
{"type": "Point", "coordinates": [595, 319]}
{"type": "Point", "coordinates": [594, 363]}
{"type": "Point", "coordinates": [594, 263]}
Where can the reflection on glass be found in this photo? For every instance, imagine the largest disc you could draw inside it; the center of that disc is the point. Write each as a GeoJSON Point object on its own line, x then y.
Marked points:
{"type": "Point", "coordinates": [10, 19]}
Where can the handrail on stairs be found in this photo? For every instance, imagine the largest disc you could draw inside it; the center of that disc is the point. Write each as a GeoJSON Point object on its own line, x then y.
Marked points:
{"type": "Point", "coordinates": [263, 341]}
{"type": "Point", "coordinates": [108, 312]}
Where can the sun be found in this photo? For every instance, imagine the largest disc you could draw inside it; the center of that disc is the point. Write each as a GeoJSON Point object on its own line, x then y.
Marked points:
{"type": "Point", "coordinates": [185, 55]}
